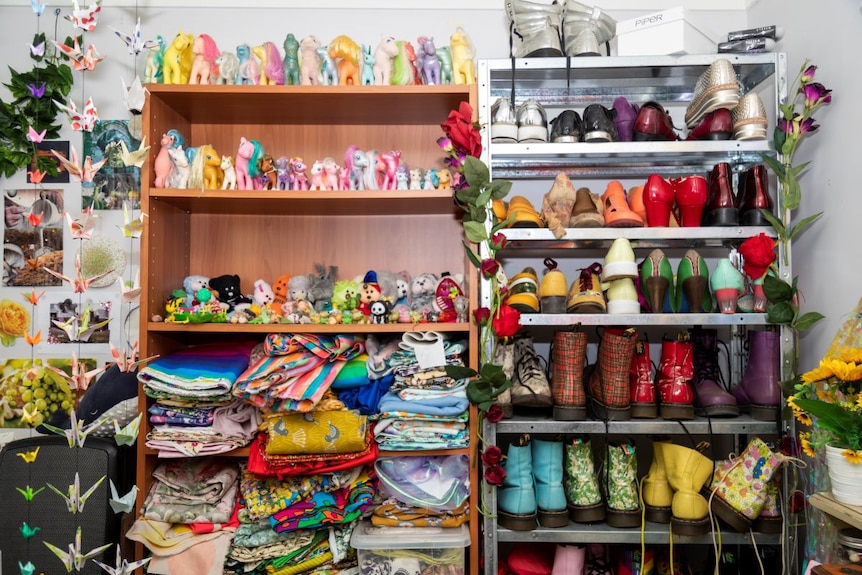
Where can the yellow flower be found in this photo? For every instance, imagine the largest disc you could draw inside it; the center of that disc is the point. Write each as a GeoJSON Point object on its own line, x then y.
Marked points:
{"type": "Point", "coordinates": [848, 371]}
{"type": "Point", "coordinates": [806, 445]}
{"type": "Point", "coordinates": [849, 354]}
{"type": "Point", "coordinates": [14, 321]}
{"type": "Point", "coordinates": [791, 403]}
{"type": "Point", "coordinates": [852, 456]}
{"type": "Point", "coordinates": [802, 417]}
{"type": "Point", "coordinates": [819, 373]}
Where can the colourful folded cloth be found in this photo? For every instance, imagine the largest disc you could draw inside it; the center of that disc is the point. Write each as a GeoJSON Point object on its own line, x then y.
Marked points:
{"type": "Point", "coordinates": [316, 432]}
{"type": "Point", "coordinates": [198, 371]}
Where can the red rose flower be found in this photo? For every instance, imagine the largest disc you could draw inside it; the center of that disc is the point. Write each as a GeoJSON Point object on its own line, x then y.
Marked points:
{"type": "Point", "coordinates": [495, 475]}
{"type": "Point", "coordinates": [498, 241]}
{"type": "Point", "coordinates": [758, 253]}
{"type": "Point", "coordinates": [492, 456]}
{"type": "Point", "coordinates": [459, 128]}
{"type": "Point", "coordinates": [489, 268]}
{"type": "Point", "coordinates": [508, 321]}
{"type": "Point", "coordinates": [494, 414]}
{"type": "Point", "coordinates": [482, 315]}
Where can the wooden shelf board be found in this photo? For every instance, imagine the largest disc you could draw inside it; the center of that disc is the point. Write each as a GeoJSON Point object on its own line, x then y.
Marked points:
{"type": "Point", "coordinates": [303, 328]}
{"type": "Point", "coordinates": [849, 514]}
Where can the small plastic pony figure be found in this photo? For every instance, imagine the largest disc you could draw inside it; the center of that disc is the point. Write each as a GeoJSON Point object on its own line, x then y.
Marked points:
{"type": "Point", "coordinates": [444, 56]}
{"type": "Point", "coordinates": [368, 61]}
{"type": "Point", "coordinates": [291, 61]}
{"type": "Point", "coordinates": [444, 179]}
{"type": "Point", "coordinates": [402, 177]}
{"type": "Point", "coordinates": [411, 59]}
{"type": "Point", "coordinates": [402, 71]}
{"type": "Point", "coordinates": [347, 53]}
{"type": "Point", "coordinates": [266, 173]}
{"type": "Point", "coordinates": [213, 174]}
{"type": "Point", "coordinates": [388, 167]}
{"type": "Point", "coordinates": [247, 156]}
{"type": "Point", "coordinates": [180, 169]}
{"type": "Point", "coordinates": [298, 178]}
{"type": "Point", "coordinates": [328, 70]}
{"type": "Point", "coordinates": [162, 166]}
{"type": "Point", "coordinates": [383, 56]}
{"type": "Point", "coordinates": [415, 179]}
{"type": "Point", "coordinates": [317, 183]}
{"type": "Point", "coordinates": [205, 54]}
{"type": "Point", "coordinates": [177, 66]}
{"type": "Point", "coordinates": [427, 62]}
{"type": "Point", "coordinates": [310, 61]}
{"type": "Point", "coordinates": [155, 59]}
{"type": "Point", "coordinates": [463, 67]}
{"type": "Point", "coordinates": [356, 162]}
{"type": "Point", "coordinates": [282, 172]}
{"type": "Point", "coordinates": [249, 71]}
{"type": "Point", "coordinates": [227, 68]}
{"type": "Point", "coordinates": [271, 65]}
{"type": "Point", "coordinates": [430, 181]}
{"type": "Point", "coordinates": [330, 174]}
{"type": "Point", "coordinates": [229, 181]}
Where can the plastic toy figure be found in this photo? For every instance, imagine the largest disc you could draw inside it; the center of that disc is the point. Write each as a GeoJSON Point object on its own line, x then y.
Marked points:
{"type": "Point", "coordinates": [368, 61]}
{"type": "Point", "coordinates": [247, 156]}
{"type": "Point", "coordinates": [271, 66]}
{"type": "Point", "coordinates": [155, 60]}
{"type": "Point", "coordinates": [427, 62]}
{"type": "Point", "coordinates": [356, 162]}
{"type": "Point", "coordinates": [328, 71]}
{"type": "Point", "coordinates": [463, 67]}
{"type": "Point", "coordinates": [310, 61]}
{"type": "Point", "coordinates": [444, 56]}
{"type": "Point", "coordinates": [229, 182]}
{"type": "Point", "coordinates": [205, 54]}
{"type": "Point", "coordinates": [249, 71]}
{"type": "Point", "coordinates": [177, 66]}
{"type": "Point", "coordinates": [347, 54]}
{"type": "Point", "coordinates": [227, 65]}
{"type": "Point", "coordinates": [162, 166]}
{"type": "Point", "coordinates": [298, 177]}
{"type": "Point", "coordinates": [383, 56]}
{"type": "Point", "coordinates": [291, 61]}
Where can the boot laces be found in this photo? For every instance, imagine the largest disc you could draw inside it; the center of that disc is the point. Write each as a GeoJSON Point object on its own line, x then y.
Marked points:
{"type": "Point", "coordinates": [587, 274]}
{"type": "Point", "coordinates": [529, 365]}
{"type": "Point", "coordinates": [706, 366]}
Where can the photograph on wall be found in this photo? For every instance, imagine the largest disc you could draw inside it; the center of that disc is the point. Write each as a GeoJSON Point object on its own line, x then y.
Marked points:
{"type": "Point", "coordinates": [33, 237]}
{"type": "Point", "coordinates": [21, 378]}
{"type": "Point", "coordinates": [77, 321]}
{"type": "Point", "coordinates": [115, 183]}
{"type": "Point", "coordinates": [43, 150]}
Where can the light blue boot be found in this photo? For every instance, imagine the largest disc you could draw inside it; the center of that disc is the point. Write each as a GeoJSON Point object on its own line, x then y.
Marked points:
{"type": "Point", "coordinates": [548, 473]}
{"type": "Point", "coordinates": [516, 497]}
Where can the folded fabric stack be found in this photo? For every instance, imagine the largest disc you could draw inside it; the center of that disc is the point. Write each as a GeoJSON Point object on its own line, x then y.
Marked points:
{"type": "Point", "coordinates": [296, 370]}
{"type": "Point", "coordinates": [189, 516]}
{"type": "Point", "coordinates": [194, 413]}
{"type": "Point", "coordinates": [424, 408]}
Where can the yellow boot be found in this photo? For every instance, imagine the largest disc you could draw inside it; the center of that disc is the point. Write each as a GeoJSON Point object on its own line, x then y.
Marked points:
{"type": "Point", "coordinates": [656, 491]}
{"type": "Point", "coordinates": [687, 471]}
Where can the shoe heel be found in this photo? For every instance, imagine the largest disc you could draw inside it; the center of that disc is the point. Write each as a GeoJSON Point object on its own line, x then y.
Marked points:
{"type": "Point", "coordinates": [690, 216]}
{"type": "Point", "coordinates": [657, 289]}
{"type": "Point", "coordinates": [658, 214]}
{"type": "Point", "coordinates": [693, 289]}
{"type": "Point", "coordinates": [727, 298]}
{"type": "Point", "coordinates": [721, 217]}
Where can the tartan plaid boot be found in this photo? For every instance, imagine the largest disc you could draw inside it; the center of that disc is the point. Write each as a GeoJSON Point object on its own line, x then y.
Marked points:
{"type": "Point", "coordinates": [530, 388]}
{"type": "Point", "coordinates": [610, 397]}
{"type": "Point", "coordinates": [568, 357]}
{"type": "Point", "coordinates": [504, 356]}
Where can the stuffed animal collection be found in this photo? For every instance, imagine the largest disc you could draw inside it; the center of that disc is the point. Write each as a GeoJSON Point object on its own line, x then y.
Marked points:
{"type": "Point", "coordinates": [376, 297]}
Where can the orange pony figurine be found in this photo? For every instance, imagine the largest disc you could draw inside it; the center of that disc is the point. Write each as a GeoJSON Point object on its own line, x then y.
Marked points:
{"type": "Point", "coordinates": [347, 53]}
{"type": "Point", "coordinates": [205, 53]}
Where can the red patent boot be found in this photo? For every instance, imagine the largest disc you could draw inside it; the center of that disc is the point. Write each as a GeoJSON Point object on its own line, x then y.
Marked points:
{"type": "Point", "coordinates": [691, 193]}
{"type": "Point", "coordinates": [658, 200]}
{"type": "Point", "coordinates": [674, 379]}
{"type": "Point", "coordinates": [721, 206]}
{"type": "Point", "coordinates": [641, 383]}
{"type": "Point", "coordinates": [754, 196]}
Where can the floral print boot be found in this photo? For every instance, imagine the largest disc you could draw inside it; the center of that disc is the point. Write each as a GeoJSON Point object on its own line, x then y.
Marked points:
{"type": "Point", "coordinates": [621, 486]}
{"type": "Point", "coordinates": [581, 485]}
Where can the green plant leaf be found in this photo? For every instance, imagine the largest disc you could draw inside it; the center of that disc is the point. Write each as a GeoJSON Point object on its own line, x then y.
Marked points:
{"type": "Point", "coordinates": [778, 135]}
{"type": "Point", "coordinates": [773, 163]}
{"type": "Point", "coordinates": [780, 313]}
{"type": "Point", "coordinates": [843, 423]}
{"type": "Point", "coordinates": [479, 391]}
{"type": "Point", "coordinates": [485, 405]}
{"type": "Point", "coordinates": [471, 255]}
{"type": "Point", "coordinates": [502, 224]}
{"type": "Point", "coordinates": [807, 320]}
{"type": "Point", "coordinates": [777, 224]}
{"type": "Point", "coordinates": [489, 371]}
{"type": "Point", "coordinates": [803, 224]}
{"type": "Point", "coordinates": [477, 214]}
{"type": "Point", "coordinates": [501, 388]}
{"type": "Point", "coordinates": [456, 371]}
{"type": "Point", "coordinates": [475, 232]}
{"type": "Point", "coordinates": [777, 290]}
{"type": "Point", "coordinates": [791, 191]}
{"type": "Point", "coordinates": [484, 196]}
{"type": "Point", "coordinates": [476, 172]}
{"type": "Point", "coordinates": [500, 189]}
{"type": "Point", "coordinates": [467, 195]}
{"type": "Point", "coordinates": [797, 170]}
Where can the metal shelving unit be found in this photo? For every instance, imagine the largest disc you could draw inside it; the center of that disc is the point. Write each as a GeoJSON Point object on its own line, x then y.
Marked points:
{"type": "Point", "coordinates": [574, 83]}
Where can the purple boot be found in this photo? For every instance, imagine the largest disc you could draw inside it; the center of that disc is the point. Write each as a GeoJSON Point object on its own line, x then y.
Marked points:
{"type": "Point", "coordinates": [710, 396]}
{"type": "Point", "coordinates": [759, 390]}
{"type": "Point", "coordinates": [625, 120]}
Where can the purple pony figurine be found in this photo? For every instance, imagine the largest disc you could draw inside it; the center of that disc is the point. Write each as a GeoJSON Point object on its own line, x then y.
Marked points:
{"type": "Point", "coordinates": [282, 170]}
{"type": "Point", "coordinates": [427, 62]}
{"type": "Point", "coordinates": [247, 156]}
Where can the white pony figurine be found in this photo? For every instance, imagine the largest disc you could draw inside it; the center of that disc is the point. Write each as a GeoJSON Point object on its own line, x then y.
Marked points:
{"type": "Point", "coordinates": [180, 169]}
{"type": "Point", "coordinates": [228, 68]}
{"type": "Point", "coordinates": [229, 182]}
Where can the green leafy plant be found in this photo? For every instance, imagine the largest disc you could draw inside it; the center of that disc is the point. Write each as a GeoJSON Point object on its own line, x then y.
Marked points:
{"type": "Point", "coordinates": [785, 308]}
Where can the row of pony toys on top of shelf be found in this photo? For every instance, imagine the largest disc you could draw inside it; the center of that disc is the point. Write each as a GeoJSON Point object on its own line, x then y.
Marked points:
{"type": "Point", "coordinates": [203, 168]}
{"type": "Point", "coordinates": [196, 59]}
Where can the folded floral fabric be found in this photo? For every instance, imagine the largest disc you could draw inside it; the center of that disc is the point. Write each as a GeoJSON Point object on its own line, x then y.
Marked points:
{"type": "Point", "coordinates": [205, 558]}
{"type": "Point", "coordinates": [316, 432]}
{"type": "Point", "coordinates": [263, 465]}
{"type": "Point", "coordinates": [198, 371]}
{"type": "Point", "coordinates": [260, 533]}
{"type": "Point", "coordinates": [193, 491]}
{"type": "Point", "coordinates": [316, 509]}
{"type": "Point", "coordinates": [176, 449]}
{"type": "Point", "coordinates": [283, 546]}
{"type": "Point", "coordinates": [264, 497]}
{"type": "Point", "coordinates": [173, 415]}
{"type": "Point", "coordinates": [393, 513]}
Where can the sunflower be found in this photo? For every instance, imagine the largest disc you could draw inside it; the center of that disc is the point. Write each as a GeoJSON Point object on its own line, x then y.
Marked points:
{"type": "Point", "coordinates": [806, 447]}
{"type": "Point", "coordinates": [824, 371]}
{"type": "Point", "coordinates": [852, 456]}
{"type": "Point", "coordinates": [802, 417]}
{"type": "Point", "coordinates": [848, 371]}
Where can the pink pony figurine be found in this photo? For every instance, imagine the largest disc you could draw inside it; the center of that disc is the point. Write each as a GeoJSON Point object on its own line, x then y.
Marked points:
{"type": "Point", "coordinates": [298, 177]}
{"type": "Point", "coordinates": [317, 180]}
{"type": "Point", "coordinates": [247, 156]}
{"type": "Point", "coordinates": [388, 169]}
{"type": "Point", "coordinates": [310, 61]}
{"type": "Point", "coordinates": [206, 52]}
{"type": "Point", "coordinates": [383, 56]}
{"type": "Point", "coordinates": [330, 174]}
{"type": "Point", "coordinates": [271, 64]}
{"type": "Point", "coordinates": [355, 163]}
{"type": "Point", "coordinates": [163, 164]}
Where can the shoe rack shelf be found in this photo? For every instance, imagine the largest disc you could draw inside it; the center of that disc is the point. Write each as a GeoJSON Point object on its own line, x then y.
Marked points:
{"type": "Point", "coordinates": [574, 83]}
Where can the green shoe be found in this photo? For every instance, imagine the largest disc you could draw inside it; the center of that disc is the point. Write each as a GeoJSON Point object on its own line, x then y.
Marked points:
{"type": "Point", "coordinates": [727, 285]}
{"type": "Point", "coordinates": [692, 285]}
{"type": "Point", "coordinates": [581, 485]}
{"type": "Point", "coordinates": [620, 478]}
{"type": "Point", "coordinates": [657, 281]}
{"type": "Point", "coordinates": [523, 288]}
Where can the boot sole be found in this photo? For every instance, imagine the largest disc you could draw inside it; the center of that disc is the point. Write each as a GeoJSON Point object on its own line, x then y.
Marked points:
{"type": "Point", "coordinates": [644, 410]}
{"type": "Point", "coordinates": [768, 524]}
{"type": "Point", "coordinates": [533, 400]}
{"type": "Point", "coordinates": [570, 413]}
{"type": "Point", "coordinates": [730, 515]}
{"type": "Point", "coordinates": [553, 519]}
{"type": "Point", "coordinates": [718, 411]}
{"type": "Point", "coordinates": [553, 304]}
{"type": "Point", "coordinates": [689, 527]}
{"type": "Point", "coordinates": [658, 514]}
{"type": "Point", "coordinates": [607, 413]}
{"type": "Point", "coordinates": [752, 218]}
{"type": "Point", "coordinates": [764, 412]}
{"type": "Point", "coordinates": [676, 412]}
{"type": "Point", "coordinates": [517, 522]}
{"type": "Point", "coordinates": [617, 518]}
{"type": "Point", "coordinates": [587, 514]}
{"type": "Point", "coordinates": [721, 217]}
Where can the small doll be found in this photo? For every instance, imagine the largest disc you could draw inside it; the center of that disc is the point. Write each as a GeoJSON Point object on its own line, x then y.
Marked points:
{"type": "Point", "coordinates": [369, 291]}
{"type": "Point", "coordinates": [422, 291]}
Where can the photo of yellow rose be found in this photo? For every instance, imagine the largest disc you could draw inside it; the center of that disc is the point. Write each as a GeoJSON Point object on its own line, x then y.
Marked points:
{"type": "Point", "coordinates": [14, 321]}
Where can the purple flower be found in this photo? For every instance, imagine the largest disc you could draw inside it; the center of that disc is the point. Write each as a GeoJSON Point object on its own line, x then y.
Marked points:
{"type": "Point", "coordinates": [37, 90]}
{"type": "Point", "coordinates": [787, 126]}
{"type": "Point", "coordinates": [816, 93]}
{"type": "Point", "coordinates": [808, 126]}
{"type": "Point", "coordinates": [445, 143]}
{"type": "Point", "coordinates": [808, 74]}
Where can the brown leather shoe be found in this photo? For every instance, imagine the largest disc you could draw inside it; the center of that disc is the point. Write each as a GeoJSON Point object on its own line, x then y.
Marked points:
{"type": "Point", "coordinates": [585, 213]}
{"type": "Point", "coordinates": [721, 206]}
{"type": "Point", "coordinates": [717, 125]}
{"type": "Point", "coordinates": [653, 124]}
{"type": "Point", "coordinates": [754, 196]}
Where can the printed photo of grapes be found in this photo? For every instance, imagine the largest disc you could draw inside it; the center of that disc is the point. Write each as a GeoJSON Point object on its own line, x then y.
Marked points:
{"type": "Point", "coordinates": [27, 386]}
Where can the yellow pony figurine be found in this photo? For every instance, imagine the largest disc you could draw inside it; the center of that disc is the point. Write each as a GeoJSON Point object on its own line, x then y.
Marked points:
{"type": "Point", "coordinates": [178, 58]}
{"type": "Point", "coordinates": [348, 55]}
{"type": "Point", "coordinates": [463, 68]}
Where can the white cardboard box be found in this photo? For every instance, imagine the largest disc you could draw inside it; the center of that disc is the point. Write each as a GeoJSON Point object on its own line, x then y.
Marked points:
{"type": "Point", "coordinates": [668, 32]}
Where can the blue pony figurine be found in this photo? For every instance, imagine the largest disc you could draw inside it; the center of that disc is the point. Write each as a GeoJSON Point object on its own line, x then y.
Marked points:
{"type": "Point", "coordinates": [368, 60]}
{"type": "Point", "coordinates": [291, 61]}
{"type": "Point", "coordinates": [243, 52]}
{"type": "Point", "coordinates": [328, 70]}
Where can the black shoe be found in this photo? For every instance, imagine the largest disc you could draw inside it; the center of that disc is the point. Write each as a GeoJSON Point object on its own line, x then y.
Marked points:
{"type": "Point", "coordinates": [567, 127]}
{"type": "Point", "coordinates": [599, 125]}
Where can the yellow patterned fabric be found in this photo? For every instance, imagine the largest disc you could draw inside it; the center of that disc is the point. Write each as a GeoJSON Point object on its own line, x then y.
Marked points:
{"type": "Point", "coordinates": [317, 432]}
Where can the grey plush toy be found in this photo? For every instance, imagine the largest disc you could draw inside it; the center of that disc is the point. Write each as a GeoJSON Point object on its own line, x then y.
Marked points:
{"type": "Point", "coordinates": [322, 284]}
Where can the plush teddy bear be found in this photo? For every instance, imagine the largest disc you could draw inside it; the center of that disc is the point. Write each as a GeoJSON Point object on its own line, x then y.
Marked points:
{"type": "Point", "coordinates": [299, 287]}
{"type": "Point", "coordinates": [279, 290]}
{"type": "Point", "coordinates": [263, 295]}
{"type": "Point", "coordinates": [345, 294]}
{"type": "Point", "coordinates": [191, 285]}
{"type": "Point", "coordinates": [322, 287]}
{"type": "Point", "coordinates": [402, 289]}
{"type": "Point", "coordinates": [228, 289]}
{"type": "Point", "coordinates": [422, 292]}
{"type": "Point", "coordinates": [369, 291]}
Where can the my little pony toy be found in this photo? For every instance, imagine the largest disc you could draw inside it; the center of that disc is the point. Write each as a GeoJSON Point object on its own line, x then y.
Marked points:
{"type": "Point", "coordinates": [402, 68]}
{"type": "Point", "coordinates": [298, 177]}
{"type": "Point", "coordinates": [444, 56]}
{"type": "Point", "coordinates": [155, 60]}
{"type": "Point", "coordinates": [356, 162]}
{"type": "Point", "coordinates": [463, 68]}
{"type": "Point", "coordinates": [368, 61]}
{"type": "Point", "coordinates": [291, 60]}
{"type": "Point", "coordinates": [317, 183]}
{"type": "Point", "coordinates": [282, 172]}
{"type": "Point", "coordinates": [229, 182]}
{"type": "Point", "coordinates": [227, 65]}
{"type": "Point", "coordinates": [427, 62]}
{"type": "Point", "coordinates": [249, 71]}
{"type": "Point", "coordinates": [205, 54]}
{"type": "Point", "coordinates": [271, 65]}
{"type": "Point", "coordinates": [383, 56]}
{"type": "Point", "coordinates": [328, 71]}
{"type": "Point", "coordinates": [310, 65]}
{"type": "Point", "coordinates": [177, 66]}
{"type": "Point", "coordinates": [247, 156]}
{"type": "Point", "coordinates": [267, 178]}
{"type": "Point", "coordinates": [347, 53]}
{"type": "Point", "coordinates": [162, 167]}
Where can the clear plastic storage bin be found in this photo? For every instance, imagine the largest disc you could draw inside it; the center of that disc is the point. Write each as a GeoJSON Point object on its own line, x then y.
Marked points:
{"type": "Point", "coordinates": [425, 550]}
